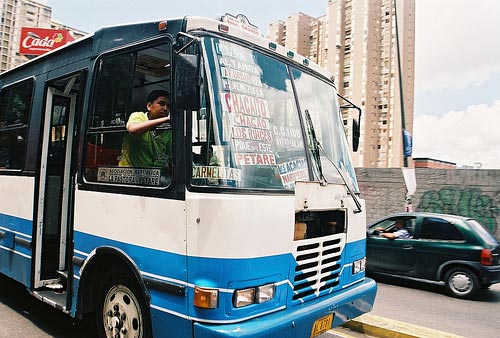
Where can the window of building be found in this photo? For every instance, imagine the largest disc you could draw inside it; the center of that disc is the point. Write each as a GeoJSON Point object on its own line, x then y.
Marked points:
{"type": "Point", "coordinates": [123, 83]}
{"type": "Point", "coordinates": [15, 107]}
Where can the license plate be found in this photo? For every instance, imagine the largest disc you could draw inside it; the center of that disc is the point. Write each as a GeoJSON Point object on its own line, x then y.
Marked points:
{"type": "Point", "coordinates": [322, 325]}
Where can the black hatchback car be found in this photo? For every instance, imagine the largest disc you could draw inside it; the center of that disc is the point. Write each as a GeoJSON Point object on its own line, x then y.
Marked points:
{"type": "Point", "coordinates": [455, 250]}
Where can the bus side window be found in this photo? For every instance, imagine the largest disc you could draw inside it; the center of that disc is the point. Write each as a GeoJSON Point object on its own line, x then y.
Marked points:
{"type": "Point", "coordinates": [123, 82]}
{"type": "Point", "coordinates": [15, 107]}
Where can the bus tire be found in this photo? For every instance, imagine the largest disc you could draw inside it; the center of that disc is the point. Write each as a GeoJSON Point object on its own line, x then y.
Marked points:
{"type": "Point", "coordinates": [121, 310]}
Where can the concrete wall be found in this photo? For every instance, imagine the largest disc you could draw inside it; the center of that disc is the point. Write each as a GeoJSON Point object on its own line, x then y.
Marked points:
{"type": "Point", "coordinates": [467, 192]}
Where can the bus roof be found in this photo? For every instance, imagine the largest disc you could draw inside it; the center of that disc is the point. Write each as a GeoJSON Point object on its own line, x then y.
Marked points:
{"type": "Point", "coordinates": [110, 37]}
{"type": "Point", "coordinates": [194, 23]}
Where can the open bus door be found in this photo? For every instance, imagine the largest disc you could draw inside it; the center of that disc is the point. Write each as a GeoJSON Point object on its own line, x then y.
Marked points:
{"type": "Point", "coordinates": [56, 184]}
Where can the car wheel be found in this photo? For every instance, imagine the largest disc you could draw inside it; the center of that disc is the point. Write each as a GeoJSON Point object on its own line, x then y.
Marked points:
{"type": "Point", "coordinates": [121, 311]}
{"type": "Point", "coordinates": [461, 283]}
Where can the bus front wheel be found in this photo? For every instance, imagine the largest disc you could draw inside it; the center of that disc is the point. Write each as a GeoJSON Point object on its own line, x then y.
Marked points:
{"type": "Point", "coordinates": [121, 311]}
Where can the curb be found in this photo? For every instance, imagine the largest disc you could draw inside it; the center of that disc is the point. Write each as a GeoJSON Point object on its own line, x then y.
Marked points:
{"type": "Point", "coordinates": [382, 327]}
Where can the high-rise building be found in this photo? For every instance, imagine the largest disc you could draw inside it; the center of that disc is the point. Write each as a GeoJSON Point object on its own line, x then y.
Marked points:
{"type": "Point", "coordinates": [15, 14]}
{"type": "Point", "coordinates": [356, 41]}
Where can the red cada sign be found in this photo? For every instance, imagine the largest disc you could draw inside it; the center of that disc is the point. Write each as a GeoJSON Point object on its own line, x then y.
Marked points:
{"type": "Point", "coordinates": [37, 41]}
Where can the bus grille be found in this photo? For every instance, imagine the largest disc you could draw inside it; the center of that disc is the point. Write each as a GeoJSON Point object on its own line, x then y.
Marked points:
{"type": "Point", "coordinates": [318, 267]}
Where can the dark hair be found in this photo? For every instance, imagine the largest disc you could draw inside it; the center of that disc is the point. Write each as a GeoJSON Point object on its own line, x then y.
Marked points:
{"type": "Point", "coordinates": [156, 94]}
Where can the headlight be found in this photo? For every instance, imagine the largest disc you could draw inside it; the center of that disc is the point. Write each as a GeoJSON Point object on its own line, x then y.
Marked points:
{"type": "Point", "coordinates": [359, 266]}
{"type": "Point", "coordinates": [243, 297]}
{"type": "Point", "coordinates": [264, 293]}
{"type": "Point", "coordinates": [257, 295]}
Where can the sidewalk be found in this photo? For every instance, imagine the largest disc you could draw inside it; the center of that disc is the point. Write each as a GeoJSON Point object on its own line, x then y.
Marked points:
{"type": "Point", "coordinates": [375, 326]}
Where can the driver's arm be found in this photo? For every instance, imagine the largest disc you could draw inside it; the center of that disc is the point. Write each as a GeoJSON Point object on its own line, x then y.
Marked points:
{"type": "Point", "coordinates": [389, 235]}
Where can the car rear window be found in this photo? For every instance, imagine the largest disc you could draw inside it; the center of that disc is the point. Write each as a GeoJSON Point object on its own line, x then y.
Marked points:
{"type": "Point", "coordinates": [485, 235]}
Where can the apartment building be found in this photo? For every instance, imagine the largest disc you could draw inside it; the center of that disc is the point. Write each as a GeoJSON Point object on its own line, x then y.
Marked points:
{"type": "Point", "coordinates": [356, 41]}
{"type": "Point", "coordinates": [15, 14]}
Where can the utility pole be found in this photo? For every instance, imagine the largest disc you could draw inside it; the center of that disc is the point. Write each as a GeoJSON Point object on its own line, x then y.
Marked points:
{"type": "Point", "coordinates": [409, 174]}
{"type": "Point", "coordinates": [403, 122]}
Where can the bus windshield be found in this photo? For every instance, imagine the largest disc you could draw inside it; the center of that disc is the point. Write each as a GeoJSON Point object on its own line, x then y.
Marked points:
{"type": "Point", "coordinates": [251, 131]}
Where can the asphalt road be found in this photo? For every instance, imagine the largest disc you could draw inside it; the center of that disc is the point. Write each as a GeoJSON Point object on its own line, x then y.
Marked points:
{"type": "Point", "coordinates": [428, 305]}
{"type": "Point", "coordinates": [21, 315]}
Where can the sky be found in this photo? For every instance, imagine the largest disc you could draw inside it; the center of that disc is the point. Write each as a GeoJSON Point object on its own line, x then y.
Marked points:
{"type": "Point", "coordinates": [457, 82]}
{"type": "Point", "coordinates": [457, 62]}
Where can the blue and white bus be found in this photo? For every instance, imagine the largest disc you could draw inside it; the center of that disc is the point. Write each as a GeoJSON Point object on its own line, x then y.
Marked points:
{"type": "Point", "coordinates": [254, 229]}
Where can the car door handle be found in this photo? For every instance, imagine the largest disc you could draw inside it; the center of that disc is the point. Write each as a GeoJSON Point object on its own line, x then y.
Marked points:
{"type": "Point", "coordinates": [407, 246]}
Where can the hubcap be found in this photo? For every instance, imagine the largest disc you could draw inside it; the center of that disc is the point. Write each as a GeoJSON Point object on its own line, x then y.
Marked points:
{"type": "Point", "coordinates": [122, 316]}
{"type": "Point", "coordinates": [461, 282]}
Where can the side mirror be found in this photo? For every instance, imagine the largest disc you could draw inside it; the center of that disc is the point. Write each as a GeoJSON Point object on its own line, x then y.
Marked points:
{"type": "Point", "coordinates": [187, 82]}
{"type": "Point", "coordinates": [356, 133]}
{"type": "Point", "coordinates": [356, 123]}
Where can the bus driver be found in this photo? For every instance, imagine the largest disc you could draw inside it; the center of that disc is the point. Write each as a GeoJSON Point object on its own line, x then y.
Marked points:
{"type": "Point", "coordinates": [143, 146]}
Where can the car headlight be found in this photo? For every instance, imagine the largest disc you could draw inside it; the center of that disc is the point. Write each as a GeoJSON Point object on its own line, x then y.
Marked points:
{"type": "Point", "coordinates": [359, 266]}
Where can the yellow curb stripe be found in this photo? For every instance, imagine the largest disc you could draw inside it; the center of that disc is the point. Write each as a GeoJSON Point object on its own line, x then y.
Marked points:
{"type": "Point", "coordinates": [389, 328]}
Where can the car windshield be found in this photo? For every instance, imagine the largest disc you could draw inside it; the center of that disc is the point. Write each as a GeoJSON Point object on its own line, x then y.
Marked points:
{"type": "Point", "coordinates": [485, 235]}
{"type": "Point", "coordinates": [249, 132]}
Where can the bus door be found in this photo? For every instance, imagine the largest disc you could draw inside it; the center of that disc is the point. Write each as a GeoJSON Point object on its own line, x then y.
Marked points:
{"type": "Point", "coordinates": [56, 185]}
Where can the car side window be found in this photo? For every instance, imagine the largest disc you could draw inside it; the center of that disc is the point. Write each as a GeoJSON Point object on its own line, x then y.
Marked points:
{"type": "Point", "coordinates": [439, 229]}
{"type": "Point", "coordinates": [386, 224]}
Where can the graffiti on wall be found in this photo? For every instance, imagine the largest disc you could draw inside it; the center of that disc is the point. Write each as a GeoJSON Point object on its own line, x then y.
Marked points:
{"type": "Point", "coordinates": [469, 202]}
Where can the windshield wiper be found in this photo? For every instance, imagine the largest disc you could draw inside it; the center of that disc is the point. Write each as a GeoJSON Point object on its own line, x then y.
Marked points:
{"type": "Point", "coordinates": [317, 158]}
{"type": "Point", "coordinates": [315, 147]}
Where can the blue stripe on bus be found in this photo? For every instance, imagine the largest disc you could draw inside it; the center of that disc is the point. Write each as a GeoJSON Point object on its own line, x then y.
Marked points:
{"type": "Point", "coordinates": [15, 259]}
{"type": "Point", "coordinates": [221, 273]}
{"type": "Point", "coordinates": [148, 260]}
{"type": "Point", "coordinates": [205, 272]}
{"type": "Point", "coordinates": [23, 227]}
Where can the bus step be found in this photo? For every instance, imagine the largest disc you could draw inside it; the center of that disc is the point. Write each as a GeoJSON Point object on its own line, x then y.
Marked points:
{"type": "Point", "coordinates": [55, 299]}
{"type": "Point", "coordinates": [63, 274]}
{"type": "Point", "coordinates": [57, 287]}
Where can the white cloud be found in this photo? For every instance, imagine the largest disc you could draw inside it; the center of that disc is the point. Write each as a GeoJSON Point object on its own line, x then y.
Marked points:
{"type": "Point", "coordinates": [464, 137]}
{"type": "Point", "coordinates": [456, 43]}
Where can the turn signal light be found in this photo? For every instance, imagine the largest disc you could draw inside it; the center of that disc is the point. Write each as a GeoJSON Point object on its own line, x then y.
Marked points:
{"type": "Point", "coordinates": [205, 298]}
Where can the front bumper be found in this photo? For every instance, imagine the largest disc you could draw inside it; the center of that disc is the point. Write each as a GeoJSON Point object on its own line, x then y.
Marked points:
{"type": "Point", "coordinates": [297, 321]}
